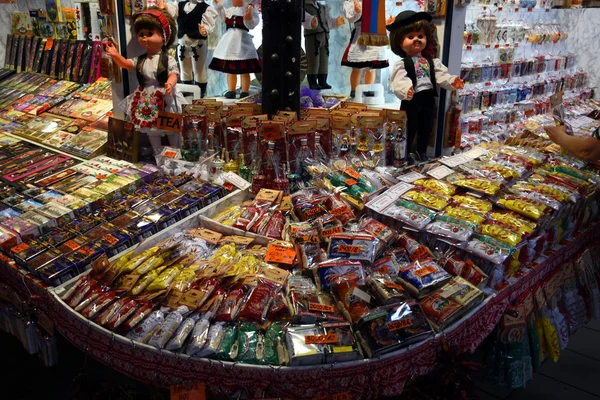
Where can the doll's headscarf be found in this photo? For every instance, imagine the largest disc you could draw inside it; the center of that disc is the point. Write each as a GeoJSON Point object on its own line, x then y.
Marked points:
{"type": "Point", "coordinates": [162, 20]}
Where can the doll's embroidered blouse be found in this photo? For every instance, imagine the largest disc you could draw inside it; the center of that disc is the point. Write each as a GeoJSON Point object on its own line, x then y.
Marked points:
{"type": "Point", "coordinates": [401, 83]}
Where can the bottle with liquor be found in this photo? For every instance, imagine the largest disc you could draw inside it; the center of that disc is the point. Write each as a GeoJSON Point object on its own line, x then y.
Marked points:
{"type": "Point", "coordinates": [320, 153]}
{"type": "Point", "coordinates": [281, 182]}
{"type": "Point", "coordinates": [302, 154]}
{"type": "Point", "coordinates": [244, 171]}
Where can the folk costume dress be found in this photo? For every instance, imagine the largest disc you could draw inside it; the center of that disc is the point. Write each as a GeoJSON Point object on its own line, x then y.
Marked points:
{"type": "Point", "coordinates": [142, 106]}
{"type": "Point", "coordinates": [357, 56]}
{"type": "Point", "coordinates": [235, 53]}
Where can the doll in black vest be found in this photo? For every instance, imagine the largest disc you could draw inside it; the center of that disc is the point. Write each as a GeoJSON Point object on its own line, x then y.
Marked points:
{"type": "Point", "coordinates": [157, 75]}
{"type": "Point", "coordinates": [415, 77]}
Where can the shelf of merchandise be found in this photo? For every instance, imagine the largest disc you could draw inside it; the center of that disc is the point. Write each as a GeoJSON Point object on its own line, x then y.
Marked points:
{"type": "Point", "coordinates": [43, 146]}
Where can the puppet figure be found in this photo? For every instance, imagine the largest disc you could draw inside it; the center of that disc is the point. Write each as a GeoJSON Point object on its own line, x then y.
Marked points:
{"type": "Point", "coordinates": [317, 24]}
{"type": "Point", "coordinates": [415, 77]}
{"type": "Point", "coordinates": [360, 57]}
{"type": "Point", "coordinates": [235, 54]}
{"type": "Point", "coordinates": [156, 72]}
{"type": "Point", "coordinates": [195, 21]}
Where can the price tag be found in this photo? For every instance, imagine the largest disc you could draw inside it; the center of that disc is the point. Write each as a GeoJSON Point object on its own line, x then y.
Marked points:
{"type": "Point", "coordinates": [170, 154]}
{"type": "Point", "coordinates": [280, 252]}
{"type": "Point", "coordinates": [440, 172]}
{"type": "Point", "coordinates": [236, 180]}
{"type": "Point", "coordinates": [228, 186]}
{"type": "Point", "coordinates": [86, 251]}
{"type": "Point", "coordinates": [377, 230]}
{"type": "Point", "coordinates": [345, 248]}
{"type": "Point", "coordinates": [352, 173]}
{"type": "Point", "coordinates": [309, 238]}
{"type": "Point", "coordinates": [340, 210]}
{"type": "Point", "coordinates": [380, 203]}
{"type": "Point", "coordinates": [331, 231]}
{"type": "Point", "coordinates": [208, 235]}
{"type": "Point", "coordinates": [271, 132]}
{"type": "Point", "coordinates": [101, 263]}
{"type": "Point", "coordinates": [174, 298]}
{"type": "Point", "coordinates": [425, 271]}
{"type": "Point", "coordinates": [475, 152]}
{"type": "Point", "coordinates": [19, 248]}
{"type": "Point", "coordinates": [350, 182]}
{"type": "Point", "coordinates": [393, 285]}
{"type": "Point", "coordinates": [400, 324]}
{"type": "Point", "coordinates": [110, 239]}
{"type": "Point", "coordinates": [73, 245]}
{"type": "Point", "coordinates": [321, 307]}
{"type": "Point", "coordinates": [455, 161]}
{"type": "Point", "coordinates": [411, 177]}
{"type": "Point", "coordinates": [277, 275]}
{"type": "Point", "coordinates": [128, 281]}
{"type": "Point", "coordinates": [49, 44]}
{"type": "Point", "coordinates": [193, 391]}
{"type": "Point", "coordinates": [321, 339]}
{"type": "Point", "coordinates": [192, 298]}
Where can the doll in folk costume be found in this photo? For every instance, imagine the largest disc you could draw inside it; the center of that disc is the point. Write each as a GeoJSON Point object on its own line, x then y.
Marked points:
{"type": "Point", "coordinates": [415, 77]}
{"type": "Point", "coordinates": [317, 25]}
{"type": "Point", "coordinates": [235, 54]}
{"type": "Point", "coordinates": [156, 72]}
{"type": "Point", "coordinates": [361, 57]}
{"type": "Point", "coordinates": [195, 21]}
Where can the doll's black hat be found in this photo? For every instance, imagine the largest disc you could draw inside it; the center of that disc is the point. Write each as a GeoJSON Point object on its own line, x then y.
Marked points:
{"type": "Point", "coordinates": [408, 17]}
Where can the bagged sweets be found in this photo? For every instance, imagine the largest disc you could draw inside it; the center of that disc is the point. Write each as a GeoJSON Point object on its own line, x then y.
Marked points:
{"type": "Point", "coordinates": [421, 277]}
{"type": "Point", "coordinates": [345, 348]}
{"type": "Point", "coordinates": [302, 351]}
{"type": "Point", "coordinates": [146, 329]}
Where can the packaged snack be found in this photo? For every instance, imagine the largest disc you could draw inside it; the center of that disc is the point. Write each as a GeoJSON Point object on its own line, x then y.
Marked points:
{"type": "Point", "coordinates": [501, 233]}
{"type": "Point", "coordinates": [524, 206]}
{"type": "Point", "coordinates": [388, 328]}
{"type": "Point", "coordinates": [465, 269]}
{"type": "Point", "coordinates": [339, 208]}
{"type": "Point", "coordinates": [162, 335]}
{"type": "Point", "coordinates": [345, 348]}
{"type": "Point", "coordinates": [250, 344]}
{"type": "Point", "coordinates": [449, 230]}
{"type": "Point", "coordinates": [355, 300]}
{"type": "Point", "coordinates": [231, 305]}
{"type": "Point", "coordinates": [98, 305]}
{"type": "Point", "coordinates": [301, 348]}
{"type": "Point", "coordinates": [138, 314]}
{"type": "Point", "coordinates": [375, 228]}
{"type": "Point", "coordinates": [410, 214]}
{"type": "Point", "coordinates": [330, 270]}
{"type": "Point", "coordinates": [432, 200]}
{"type": "Point", "coordinates": [514, 221]}
{"type": "Point", "coordinates": [146, 329]}
{"type": "Point", "coordinates": [472, 203]}
{"type": "Point", "coordinates": [481, 185]}
{"type": "Point", "coordinates": [353, 247]}
{"type": "Point", "coordinates": [421, 277]}
{"type": "Point", "coordinates": [228, 347]}
{"type": "Point", "coordinates": [199, 336]}
{"type": "Point", "coordinates": [272, 340]}
{"type": "Point", "coordinates": [164, 279]}
{"type": "Point", "coordinates": [414, 249]}
{"type": "Point", "coordinates": [436, 185]}
{"type": "Point", "coordinates": [465, 214]}
{"type": "Point", "coordinates": [258, 301]}
{"type": "Point", "coordinates": [385, 290]}
{"type": "Point", "coordinates": [489, 249]}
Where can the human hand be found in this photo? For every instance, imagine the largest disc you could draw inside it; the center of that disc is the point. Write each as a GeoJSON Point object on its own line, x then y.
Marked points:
{"type": "Point", "coordinates": [410, 94]}
{"type": "Point", "coordinates": [169, 88]}
{"type": "Point", "coordinates": [203, 30]}
{"type": "Point", "coordinates": [248, 14]}
{"type": "Point", "coordinates": [339, 21]}
{"type": "Point", "coordinates": [458, 83]}
{"type": "Point", "coordinates": [357, 7]}
{"type": "Point", "coordinates": [313, 23]}
{"type": "Point", "coordinates": [390, 20]}
{"type": "Point", "coordinates": [555, 132]}
{"type": "Point", "coordinates": [110, 48]}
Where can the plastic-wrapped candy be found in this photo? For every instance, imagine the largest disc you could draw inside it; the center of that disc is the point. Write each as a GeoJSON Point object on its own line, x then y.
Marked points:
{"type": "Point", "coordinates": [414, 249]}
{"type": "Point", "coordinates": [163, 334]}
{"type": "Point", "coordinates": [200, 335]}
{"type": "Point", "coordinates": [472, 203]}
{"type": "Point", "coordinates": [353, 247]}
{"type": "Point", "coordinates": [228, 348]}
{"type": "Point", "coordinates": [449, 230]}
{"type": "Point", "coordinates": [465, 269]}
{"type": "Point", "coordinates": [258, 301]}
{"type": "Point", "coordinates": [146, 329]}
{"type": "Point", "coordinates": [481, 185]}
{"type": "Point", "coordinates": [451, 301]}
{"type": "Point", "coordinates": [501, 233]}
{"type": "Point", "coordinates": [524, 206]}
{"type": "Point", "coordinates": [434, 200]}
{"type": "Point", "coordinates": [181, 334]}
{"type": "Point", "coordinates": [250, 344]}
{"type": "Point", "coordinates": [436, 185]}
{"type": "Point", "coordinates": [465, 214]}
{"type": "Point", "coordinates": [330, 270]}
{"type": "Point", "coordinates": [489, 249]}
{"type": "Point", "coordinates": [164, 279]}
{"type": "Point", "coordinates": [345, 348]}
{"type": "Point", "coordinates": [385, 290]}
{"type": "Point", "coordinates": [514, 221]}
{"type": "Point", "coordinates": [137, 316]}
{"type": "Point", "coordinates": [355, 300]}
{"type": "Point", "coordinates": [98, 305]}
{"type": "Point", "coordinates": [421, 277]}
{"type": "Point", "coordinates": [410, 213]}
{"type": "Point", "coordinates": [301, 352]}
{"type": "Point", "coordinates": [272, 337]}
{"type": "Point", "coordinates": [230, 307]}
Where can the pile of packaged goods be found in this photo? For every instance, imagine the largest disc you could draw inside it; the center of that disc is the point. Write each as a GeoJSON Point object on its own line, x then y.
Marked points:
{"type": "Point", "coordinates": [58, 215]}
{"type": "Point", "coordinates": [69, 116]}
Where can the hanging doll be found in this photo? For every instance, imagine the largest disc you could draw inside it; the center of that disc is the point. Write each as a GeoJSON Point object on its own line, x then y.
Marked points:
{"type": "Point", "coordinates": [360, 57]}
{"type": "Point", "coordinates": [156, 72]}
{"type": "Point", "coordinates": [316, 36]}
{"type": "Point", "coordinates": [415, 77]}
{"type": "Point", "coordinates": [235, 54]}
{"type": "Point", "coordinates": [195, 21]}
